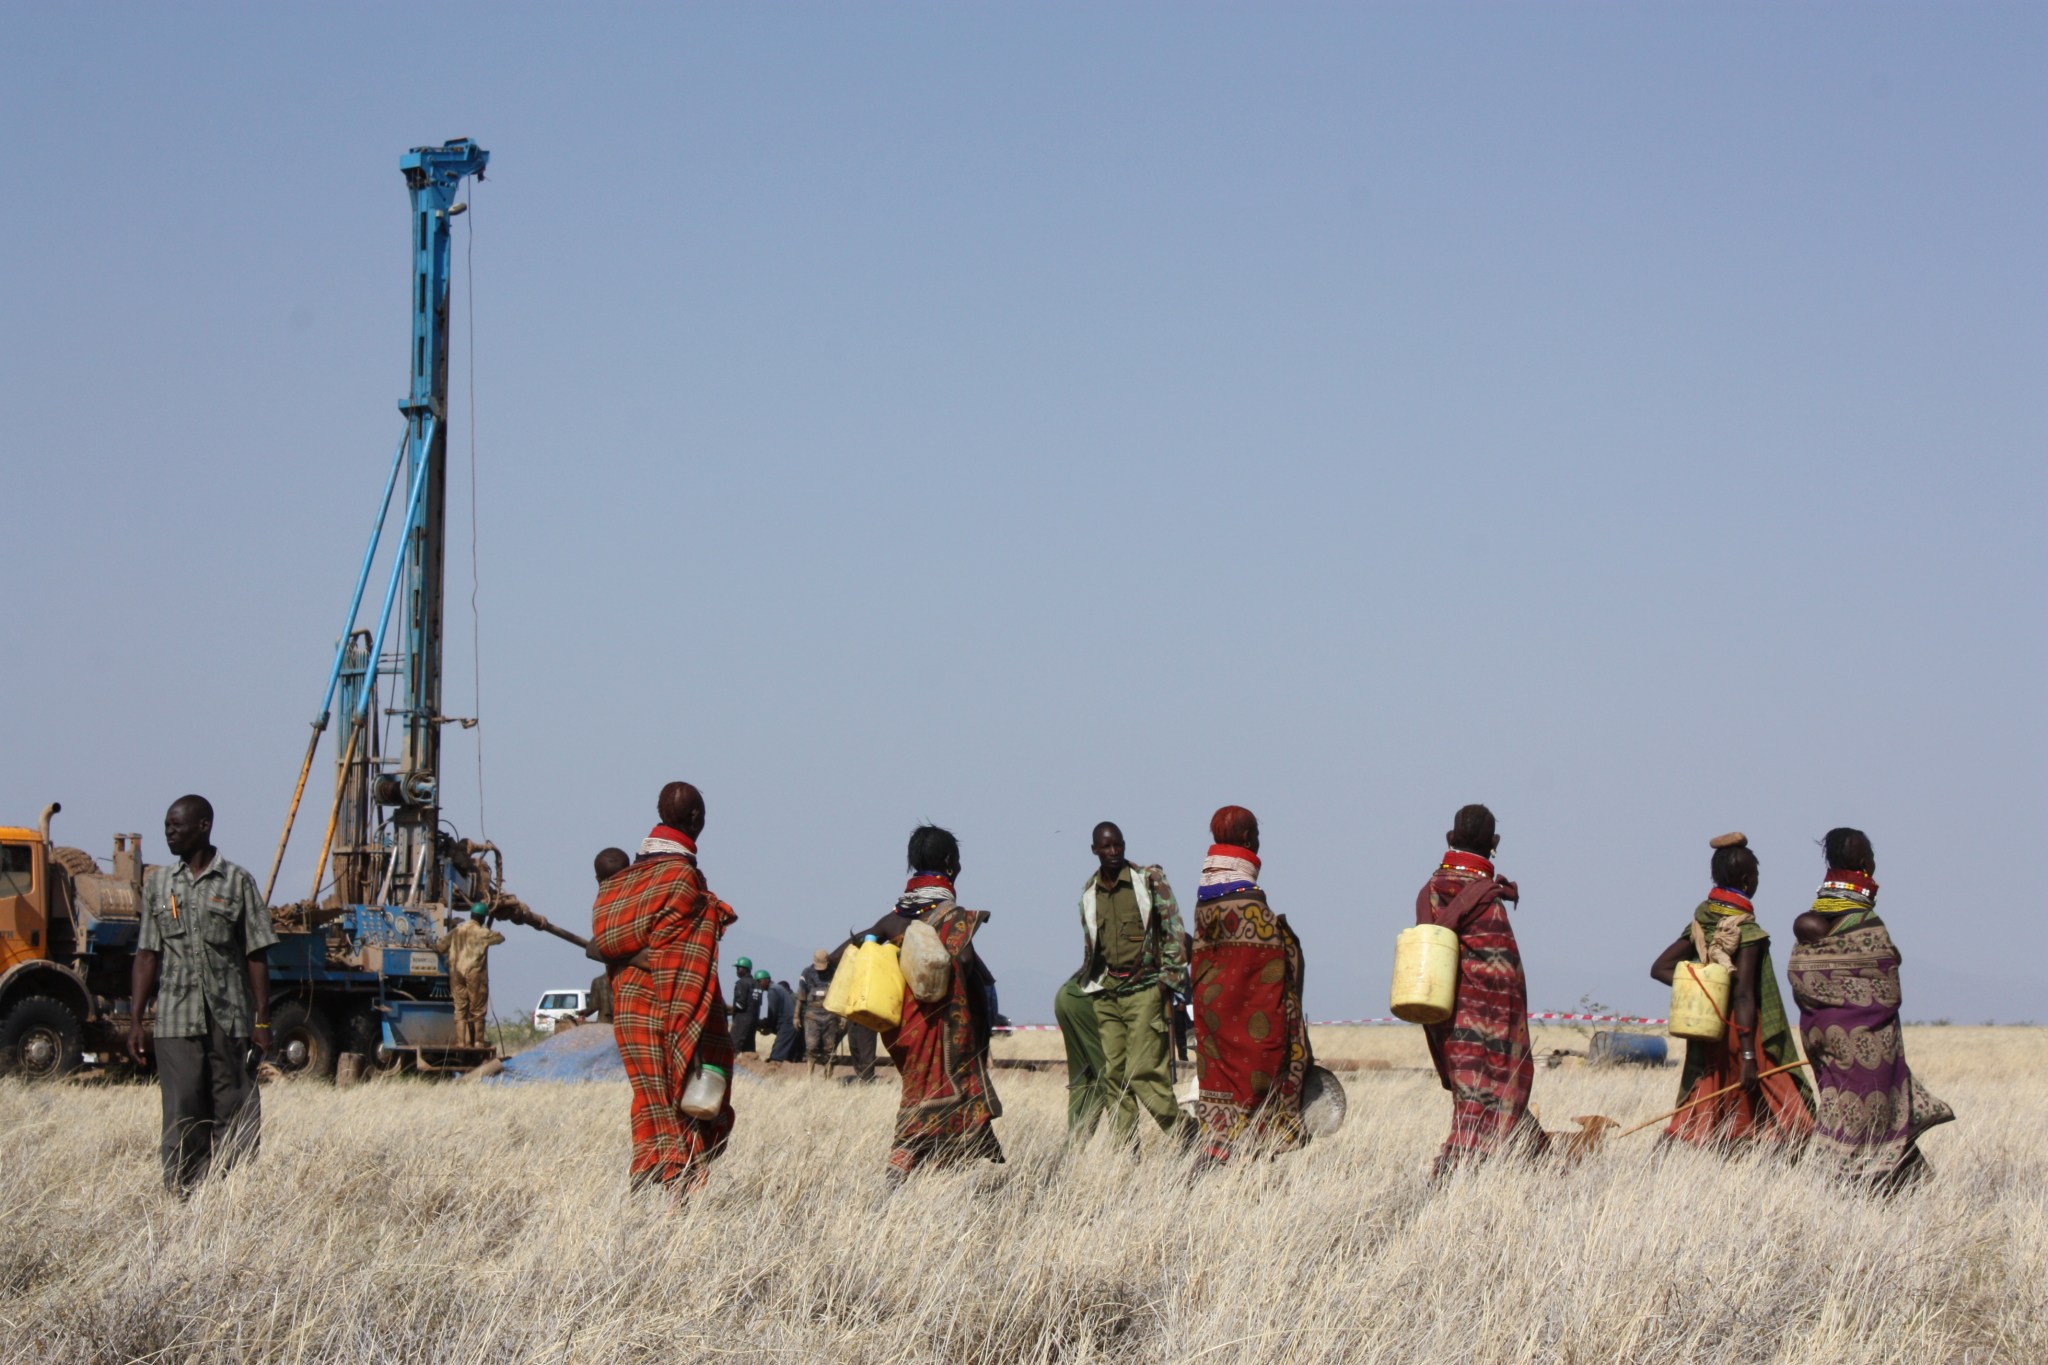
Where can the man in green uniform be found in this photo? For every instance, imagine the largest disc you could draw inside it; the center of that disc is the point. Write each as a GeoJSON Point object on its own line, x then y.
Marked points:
{"type": "Point", "coordinates": [204, 934]}
{"type": "Point", "coordinates": [1132, 956]}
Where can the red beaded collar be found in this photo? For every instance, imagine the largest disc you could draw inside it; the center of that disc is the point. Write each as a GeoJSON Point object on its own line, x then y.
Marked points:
{"type": "Point", "coordinates": [1233, 851]}
{"type": "Point", "coordinates": [1467, 862]}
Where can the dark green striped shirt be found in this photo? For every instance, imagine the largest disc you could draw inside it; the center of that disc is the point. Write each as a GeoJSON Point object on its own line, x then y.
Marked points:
{"type": "Point", "coordinates": [204, 930]}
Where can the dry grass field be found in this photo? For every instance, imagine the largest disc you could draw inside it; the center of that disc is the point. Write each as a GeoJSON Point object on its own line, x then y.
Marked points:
{"type": "Point", "coordinates": [411, 1222]}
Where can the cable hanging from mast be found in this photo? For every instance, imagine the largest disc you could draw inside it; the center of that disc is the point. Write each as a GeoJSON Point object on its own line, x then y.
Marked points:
{"type": "Point", "coordinates": [476, 658]}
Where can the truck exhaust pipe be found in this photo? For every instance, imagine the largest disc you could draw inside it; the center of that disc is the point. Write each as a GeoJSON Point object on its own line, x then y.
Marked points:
{"type": "Point", "coordinates": [43, 826]}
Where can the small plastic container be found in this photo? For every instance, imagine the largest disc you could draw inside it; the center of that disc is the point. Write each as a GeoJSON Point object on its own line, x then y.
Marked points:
{"type": "Point", "coordinates": [1699, 1002]}
{"type": "Point", "coordinates": [704, 1092]}
{"type": "Point", "coordinates": [1425, 974]}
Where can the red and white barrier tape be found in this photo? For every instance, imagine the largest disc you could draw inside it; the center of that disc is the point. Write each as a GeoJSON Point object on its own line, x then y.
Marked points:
{"type": "Point", "coordinates": [1539, 1017]}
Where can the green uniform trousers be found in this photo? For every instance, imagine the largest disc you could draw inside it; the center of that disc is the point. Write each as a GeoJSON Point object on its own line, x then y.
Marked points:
{"type": "Point", "coordinates": [1122, 1061]}
{"type": "Point", "coordinates": [1074, 1011]}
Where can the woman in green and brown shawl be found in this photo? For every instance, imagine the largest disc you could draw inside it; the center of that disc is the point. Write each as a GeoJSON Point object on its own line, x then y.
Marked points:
{"type": "Point", "coordinates": [1776, 1109]}
{"type": "Point", "coordinates": [1845, 977]}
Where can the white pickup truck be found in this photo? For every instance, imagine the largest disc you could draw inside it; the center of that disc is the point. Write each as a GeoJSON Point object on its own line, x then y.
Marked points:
{"type": "Point", "coordinates": [558, 1005]}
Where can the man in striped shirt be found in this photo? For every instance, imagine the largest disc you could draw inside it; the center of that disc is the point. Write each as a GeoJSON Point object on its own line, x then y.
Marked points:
{"type": "Point", "coordinates": [201, 956]}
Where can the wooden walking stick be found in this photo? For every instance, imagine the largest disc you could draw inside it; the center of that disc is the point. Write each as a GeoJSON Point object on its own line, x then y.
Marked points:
{"type": "Point", "coordinates": [1789, 1066]}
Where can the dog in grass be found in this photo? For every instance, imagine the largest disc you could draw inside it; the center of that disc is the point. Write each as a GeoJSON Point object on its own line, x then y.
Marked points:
{"type": "Point", "coordinates": [1572, 1148]}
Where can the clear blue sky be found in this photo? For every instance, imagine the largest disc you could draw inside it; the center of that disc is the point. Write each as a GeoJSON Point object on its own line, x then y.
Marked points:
{"type": "Point", "coordinates": [1629, 416]}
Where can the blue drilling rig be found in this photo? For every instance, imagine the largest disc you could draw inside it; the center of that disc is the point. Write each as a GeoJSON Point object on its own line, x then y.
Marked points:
{"type": "Point", "coordinates": [358, 968]}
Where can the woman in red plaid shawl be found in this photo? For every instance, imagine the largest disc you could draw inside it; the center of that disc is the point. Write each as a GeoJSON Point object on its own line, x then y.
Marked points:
{"type": "Point", "coordinates": [656, 926]}
{"type": "Point", "coordinates": [1482, 1052]}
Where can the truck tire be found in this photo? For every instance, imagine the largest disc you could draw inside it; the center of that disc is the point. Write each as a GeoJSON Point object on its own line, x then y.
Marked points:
{"type": "Point", "coordinates": [40, 1039]}
{"type": "Point", "coordinates": [76, 861]}
{"type": "Point", "coordinates": [301, 1043]}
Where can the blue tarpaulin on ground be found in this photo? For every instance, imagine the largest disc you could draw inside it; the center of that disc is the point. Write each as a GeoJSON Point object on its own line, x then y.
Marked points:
{"type": "Point", "coordinates": [584, 1053]}
{"type": "Point", "coordinates": [587, 1052]}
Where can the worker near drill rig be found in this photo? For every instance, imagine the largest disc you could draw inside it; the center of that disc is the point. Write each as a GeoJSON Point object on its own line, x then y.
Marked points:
{"type": "Point", "coordinates": [469, 973]}
{"type": "Point", "coordinates": [745, 1009]}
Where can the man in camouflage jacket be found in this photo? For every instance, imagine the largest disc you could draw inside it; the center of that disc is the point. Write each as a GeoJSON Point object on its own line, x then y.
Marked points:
{"type": "Point", "coordinates": [1132, 960]}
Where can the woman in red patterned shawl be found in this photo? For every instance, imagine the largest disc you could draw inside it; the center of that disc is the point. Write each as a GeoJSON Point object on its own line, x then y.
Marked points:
{"type": "Point", "coordinates": [1251, 1044]}
{"type": "Point", "coordinates": [656, 927]}
{"type": "Point", "coordinates": [1482, 1052]}
{"type": "Point", "coordinates": [949, 1105]}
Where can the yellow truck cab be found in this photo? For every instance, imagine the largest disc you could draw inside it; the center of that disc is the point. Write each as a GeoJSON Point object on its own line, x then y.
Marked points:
{"type": "Point", "coordinates": [67, 945]}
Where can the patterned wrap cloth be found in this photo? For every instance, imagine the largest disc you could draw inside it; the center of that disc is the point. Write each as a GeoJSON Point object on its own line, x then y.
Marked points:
{"type": "Point", "coordinates": [949, 1105]}
{"type": "Point", "coordinates": [1482, 1053]}
{"type": "Point", "coordinates": [1251, 1043]}
{"type": "Point", "coordinates": [1721, 927]}
{"type": "Point", "coordinates": [669, 1015]}
{"type": "Point", "coordinates": [1872, 1109]}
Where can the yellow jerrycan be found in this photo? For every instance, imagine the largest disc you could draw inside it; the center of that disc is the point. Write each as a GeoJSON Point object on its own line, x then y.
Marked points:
{"type": "Point", "coordinates": [1425, 974]}
{"type": "Point", "coordinates": [876, 998]}
{"type": "Point", "coordinates": [840, 989]}
{"type": "Point", "coordinates": [1699, 1002]}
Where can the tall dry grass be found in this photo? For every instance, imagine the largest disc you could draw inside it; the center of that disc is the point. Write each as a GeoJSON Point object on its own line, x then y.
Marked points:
{"type": "Point", "coordinates": [410, 1222]}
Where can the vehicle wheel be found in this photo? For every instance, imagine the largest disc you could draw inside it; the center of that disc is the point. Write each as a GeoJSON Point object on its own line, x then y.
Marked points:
{"type": "Point", "coordinates": [40, 1039]}
{"type": "Point", "coordinates": [76, 861]}
{"type": "Point", "coordinates": [301, 1042]}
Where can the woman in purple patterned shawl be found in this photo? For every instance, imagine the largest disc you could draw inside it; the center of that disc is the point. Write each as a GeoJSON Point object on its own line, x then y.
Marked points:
{"type": "Point", "coordinates": [1844, 971]}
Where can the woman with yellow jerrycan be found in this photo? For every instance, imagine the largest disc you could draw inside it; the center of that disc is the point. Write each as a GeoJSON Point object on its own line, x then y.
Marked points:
{"type": "Point", "coordinates": [1459, 975]}
{"type": "Point", "coordinates": [1725, 1004]}
{"type": "Point", "coordinates": [916, 979]}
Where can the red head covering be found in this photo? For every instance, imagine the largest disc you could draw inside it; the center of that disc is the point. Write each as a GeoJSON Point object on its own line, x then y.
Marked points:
{"type": "Point", "coordinates": [1234, 825]}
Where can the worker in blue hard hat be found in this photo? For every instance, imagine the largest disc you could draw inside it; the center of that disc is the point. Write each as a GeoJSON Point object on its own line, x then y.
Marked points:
{"type": "Point", "coordinates": [745, 1007]}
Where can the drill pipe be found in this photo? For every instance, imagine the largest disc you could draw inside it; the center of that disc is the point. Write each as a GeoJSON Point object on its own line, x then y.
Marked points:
{"type": "Point", "coordinates": [518, 912]}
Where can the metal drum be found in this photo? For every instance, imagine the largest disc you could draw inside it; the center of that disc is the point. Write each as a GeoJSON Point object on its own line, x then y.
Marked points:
{"type": "Point", "coordinates": [1626, 1049]}
{"type": "Point", "coordinates": [1322, 1101]}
